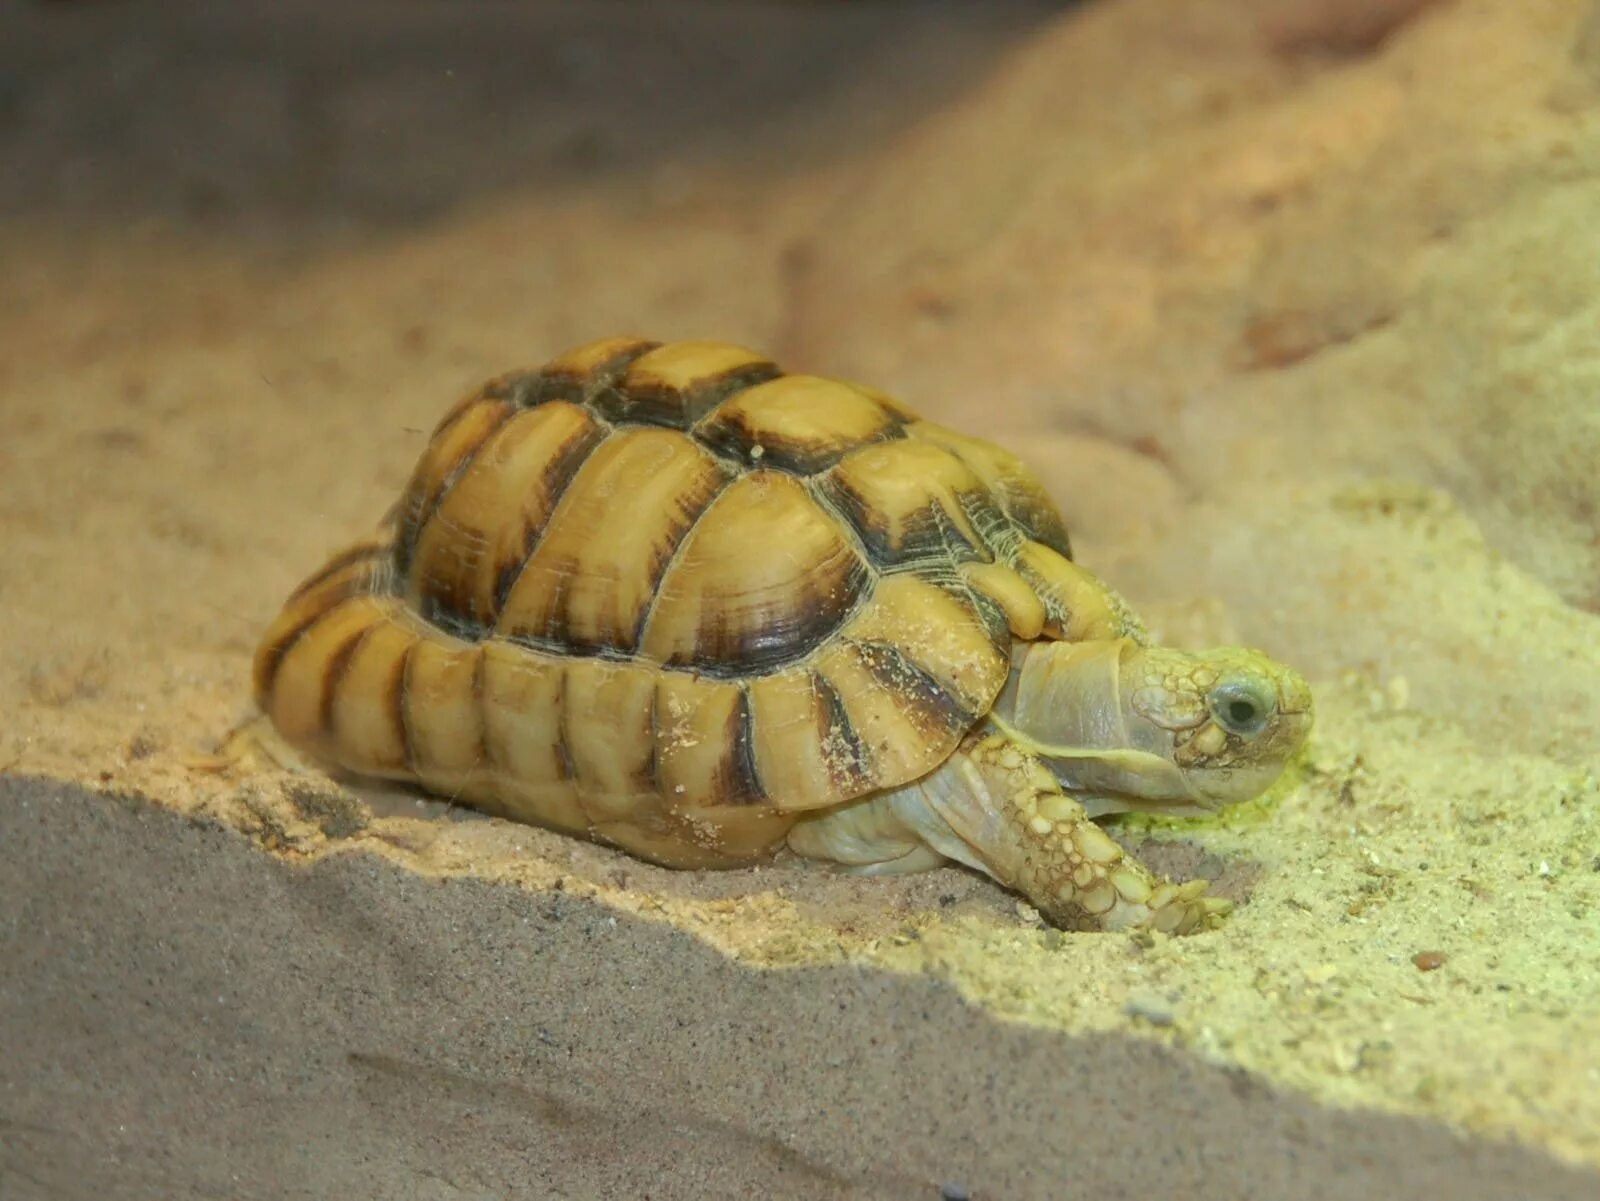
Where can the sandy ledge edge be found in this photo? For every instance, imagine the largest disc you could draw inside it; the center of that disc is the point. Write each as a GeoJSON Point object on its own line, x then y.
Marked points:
{"type": "Point", "coordinates": [200, 1014]}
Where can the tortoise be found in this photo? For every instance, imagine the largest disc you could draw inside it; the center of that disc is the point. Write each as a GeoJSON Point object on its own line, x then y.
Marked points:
{"type": "Point", "coordinates": [669, 597]}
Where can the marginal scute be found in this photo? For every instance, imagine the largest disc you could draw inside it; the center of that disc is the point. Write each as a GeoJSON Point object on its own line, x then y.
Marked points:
{"type": "Point", "coordinates": [357, 568]}
{"type": "Point", "coordinates": [340, 580]}
{"type": "Point", "coordinates": [611, 735]}
{"type": "Point", "coordinates": [762, 579]}
{"type": "Point", "coordinates": [938, 715]}
{"type": "Point", "coordinates": [1017, 599]}
{"type": "Point", "coordinates": [524, 719]}
{"type": "Point", "coordinates": [367, 714]}
{"type": "Point", "coordinates": [807, 752]}
{"type": "Point", "coordinates": [523, 703]}
{"type": "Point", "coordinates": [800, 423]}
{"type": "Point", "coordinates": [882, 703]}
{"type": "Point", "coordinates": [901, 736]}
{"type": "Point", "coordinates": [1077, 607]}
{"type": "Point", "coordinates": [444, 713]}
{"type": "Point", "coordinates": [699, 726]}
{"type": "Point", "coordinates": [940, 634]}
{"type": "Point", "coordinates": [500, 388]}
{"type": "Point", "coordinates": [304, 679]}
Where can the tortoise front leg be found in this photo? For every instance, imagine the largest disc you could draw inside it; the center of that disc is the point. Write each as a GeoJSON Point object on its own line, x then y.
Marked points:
{"type": "Point", "coordinates": [996, 808]}
{"type": "Point", "coordinates": [1009, 811]}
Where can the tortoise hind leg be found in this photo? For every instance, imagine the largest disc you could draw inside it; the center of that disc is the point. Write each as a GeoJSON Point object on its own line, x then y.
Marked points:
{"type": "Point", "coordinates": [921, 859]}
{"type": "Point", "coordinates": [867, 838]}
{"type": "Point", "coordinates": [255, 745]}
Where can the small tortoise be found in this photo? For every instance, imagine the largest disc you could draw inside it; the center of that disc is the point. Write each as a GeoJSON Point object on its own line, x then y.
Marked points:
{"type": "Point", "coordinates": [672, 598]}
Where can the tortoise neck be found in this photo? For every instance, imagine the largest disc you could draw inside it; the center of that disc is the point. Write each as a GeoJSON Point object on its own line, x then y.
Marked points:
{"type": "Point", "coordinates": [1066, 693]}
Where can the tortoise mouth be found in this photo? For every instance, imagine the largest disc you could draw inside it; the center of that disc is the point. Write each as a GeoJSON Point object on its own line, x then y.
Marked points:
{"type": "Point", "coordinates": [1127, 781]}
{"type": "Point", "coordinates": [1106, 804]}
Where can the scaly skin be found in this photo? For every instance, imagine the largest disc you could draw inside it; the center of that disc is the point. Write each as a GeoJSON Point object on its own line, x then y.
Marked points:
{"type": "Point", "coordinates": [1084, 729]}
{"type": "Point", "coordinates": [999, 809]}
{"type": "Point", "coordinates": [1055, 855]}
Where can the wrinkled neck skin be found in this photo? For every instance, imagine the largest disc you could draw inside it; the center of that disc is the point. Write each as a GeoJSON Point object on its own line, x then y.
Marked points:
{"type": "Point", "coordinates": [1070, 703]}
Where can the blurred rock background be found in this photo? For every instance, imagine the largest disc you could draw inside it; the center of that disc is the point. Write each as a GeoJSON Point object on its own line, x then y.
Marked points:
{"type": "Point", "coordinates": [1295, 303]}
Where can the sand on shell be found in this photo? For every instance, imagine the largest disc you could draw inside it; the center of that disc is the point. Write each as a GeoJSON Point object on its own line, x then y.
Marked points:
{"type": "Point", "coordinates": [1294, 310]}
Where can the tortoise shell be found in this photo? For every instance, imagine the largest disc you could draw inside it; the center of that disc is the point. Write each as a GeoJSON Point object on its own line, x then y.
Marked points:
{"type": "Point", "coordinates": [669, 596]}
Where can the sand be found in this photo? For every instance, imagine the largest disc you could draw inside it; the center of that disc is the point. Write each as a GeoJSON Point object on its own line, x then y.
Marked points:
{"type": "Point", "coordinates": [1293, 307]}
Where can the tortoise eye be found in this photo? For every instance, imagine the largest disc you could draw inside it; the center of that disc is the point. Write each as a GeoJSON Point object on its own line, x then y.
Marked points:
{"type": "Point", "coordinates": [1241, 707]}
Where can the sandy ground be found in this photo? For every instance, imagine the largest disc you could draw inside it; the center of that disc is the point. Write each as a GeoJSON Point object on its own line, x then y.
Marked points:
{"type": "Point", "coordinates": [1295, 310]}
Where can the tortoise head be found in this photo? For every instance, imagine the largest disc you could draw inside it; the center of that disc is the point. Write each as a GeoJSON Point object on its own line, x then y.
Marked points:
{"type": "Point", "coordinates": [1130, 727]}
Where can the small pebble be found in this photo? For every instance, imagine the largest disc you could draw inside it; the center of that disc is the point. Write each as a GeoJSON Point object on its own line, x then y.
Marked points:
{"type": "Point", "coordinates": [1430, 961]}
{"type": "Point", "coordinates": [953, 1192]}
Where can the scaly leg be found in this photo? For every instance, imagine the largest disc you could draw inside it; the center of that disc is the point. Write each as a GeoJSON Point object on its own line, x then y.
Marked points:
{"type": "Point", "coordinates": [256, 746]}
{"type": "Point", "coordinates": [996, 808]}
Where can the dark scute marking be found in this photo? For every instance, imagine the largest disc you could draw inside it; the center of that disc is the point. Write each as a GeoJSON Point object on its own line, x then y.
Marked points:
{"type": "Point", "coordinates": [513, 386]}
{"type": "Point", "coordinates": [951, 542]}
{"type": "Point", "coordinates": [555, 631]}
{"type": "Point", "coordinates": [738, 780]}
{"type": "Point", "coordinates": [650, 778]}
{"type": "Point", "coordinates": [479, 667]}
{"type": "Point", "coordinates": [543, 389]}
{"type": "Point", "coordinates": [678, 408]}
{"type": "Point", "coordinates": [617, 365]}
{"type": "Point", "coordinates": [578, 387]}
{"type": "Point", "coordinates": [564, 649]}
{"type": "Point", "coordinates": [995, 622]}
{"type": "Point", "coordinates": [334, 672]}
{"type": "Point", "coordinates": [272, 660]}
{"type": "Point", "coordinates": [422, 507]}
{"type": "Point", "coordinates": [405, 542]}
{"type": "Point", "coordinates": [664, 561]}
{"type": "Point", "coordinates": [367, 553]}
{"type": "Point", "coordinates": [736, 440]}
{"type": "Point", "coordinates": [1041, 522]}
{"type": "Point", "coordinates": [558, 476]}
{"type": "Point", "coordinates": [563, 751]}
{"type": "Point", "coordinates": [864, 519]}
{"type": "Point", "coordinates": [395, 705]}
{"type": "Point", "coordinates": [435, 611]}
{"type": "Point", "coordinates": [1026, 505]}
{"type": "Point", "coordinates": [464, 406]}
{"type": "Point", "coordinates": [849, 765]}
{"type": "Point", "coordinates": [931, 707]}
{"type": "Point", "coordinates": [810, 617]}
{"type": "Point", "coordinates": [507, 573]}
{"type": "Point", "coordinates": [993, 524]}
{"type": "Point", "coordinates": [924, 534]}
{"type": "Point", "coordinates": [943, 573]}
{"type": "Point", "coordinates": [622, 406]}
